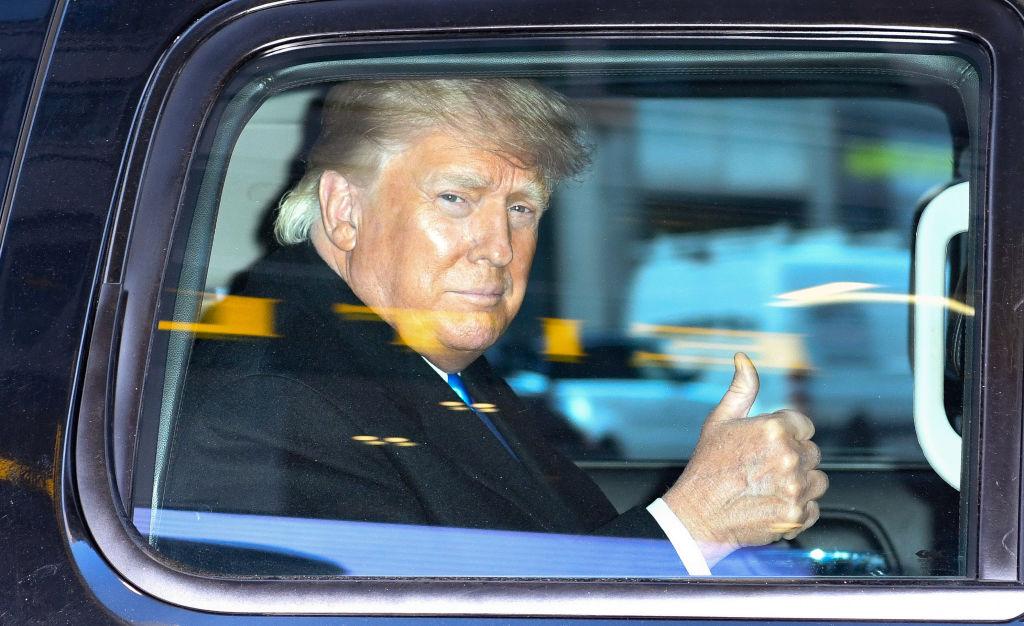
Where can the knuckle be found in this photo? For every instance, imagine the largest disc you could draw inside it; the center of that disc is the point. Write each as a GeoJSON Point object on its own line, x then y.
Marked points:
{"type": "Point", "coordinates": [793, 489]}
{"type": "Point", "coordinates": [773, 429]}
{"type": "Point", "coordinates": [789, 460]}
{"type": "Point", "coordinates": [799, 422]}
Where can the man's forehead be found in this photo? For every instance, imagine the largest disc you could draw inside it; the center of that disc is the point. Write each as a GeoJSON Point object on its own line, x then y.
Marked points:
{"type": "Point", "coordinates": [441, 158]}
{"type": "Point", "coordinates": [476, 179]}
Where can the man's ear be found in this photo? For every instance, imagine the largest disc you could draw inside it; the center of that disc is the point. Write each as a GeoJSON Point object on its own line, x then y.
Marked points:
{"type": "Point", "coordinates": [338, 209]}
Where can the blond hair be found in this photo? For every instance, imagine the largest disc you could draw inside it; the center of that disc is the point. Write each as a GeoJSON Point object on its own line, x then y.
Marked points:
{"type": "Point", "coordinates": [365, 123]}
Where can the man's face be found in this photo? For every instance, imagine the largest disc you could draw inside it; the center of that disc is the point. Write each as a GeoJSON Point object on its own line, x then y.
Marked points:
{"type": "Point", "coordinates": [444, 242]}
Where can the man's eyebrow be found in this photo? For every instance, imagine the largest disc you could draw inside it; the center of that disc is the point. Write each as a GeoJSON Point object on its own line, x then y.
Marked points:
{"type": "Point", "coordinates": [532, 190]}
{"type": "Point", "coordinates": [465, 180]}
{"type": "Point", "coordinates": [536, 192]}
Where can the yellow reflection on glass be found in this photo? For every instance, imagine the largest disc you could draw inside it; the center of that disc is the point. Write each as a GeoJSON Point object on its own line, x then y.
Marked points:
{"type": "Point", "coordinates": [372, 440]}
{"type": "Point", "coordinates": [844, 292]}
{"type": "Point", "coordinates": [229, 316]}
{"type": "Point", "coordinates": [562, 339]}
{"type": "Point", "coordinates": [356, 313]}
{"type": "Point", "coordinates": [819, 293]}
{"type": "Point", "coordinates": [688, 346]}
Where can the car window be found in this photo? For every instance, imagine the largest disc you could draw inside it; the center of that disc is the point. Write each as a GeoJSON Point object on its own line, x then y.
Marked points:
{"type": "Point", "coordinates": [796, 222]}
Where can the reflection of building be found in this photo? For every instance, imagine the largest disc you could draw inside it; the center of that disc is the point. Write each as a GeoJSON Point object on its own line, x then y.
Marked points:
{"type": "Point", "coordinates": [777, 227]}
{"type": "Point", "coordinates": [695, 165]}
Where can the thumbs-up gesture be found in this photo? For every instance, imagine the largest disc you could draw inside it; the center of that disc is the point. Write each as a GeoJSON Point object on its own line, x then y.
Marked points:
{"type": "Point", "coordinates": [751, 480]}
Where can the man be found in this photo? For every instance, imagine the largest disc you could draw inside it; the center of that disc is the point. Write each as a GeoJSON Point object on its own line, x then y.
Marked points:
{"type": "Point", "coordinates": [409, 242]}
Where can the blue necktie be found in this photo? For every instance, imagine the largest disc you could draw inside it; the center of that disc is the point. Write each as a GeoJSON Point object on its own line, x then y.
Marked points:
{"type": "Point", "coordinates": [455, 382]}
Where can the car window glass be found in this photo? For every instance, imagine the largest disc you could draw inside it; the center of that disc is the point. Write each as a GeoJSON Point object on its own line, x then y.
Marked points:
{"type": "Point", "coordinates": [788, 225]}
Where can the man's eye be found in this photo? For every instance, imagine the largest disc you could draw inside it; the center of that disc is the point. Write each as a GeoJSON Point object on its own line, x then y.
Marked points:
{"type": "Point", "coordinates": [520, 208]}
{"type": "Point", "coordinates": [450, 197]}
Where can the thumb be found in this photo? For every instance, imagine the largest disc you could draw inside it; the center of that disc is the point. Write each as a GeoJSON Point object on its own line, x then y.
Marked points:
{"type": "Point", "coordinates": [742, 391]}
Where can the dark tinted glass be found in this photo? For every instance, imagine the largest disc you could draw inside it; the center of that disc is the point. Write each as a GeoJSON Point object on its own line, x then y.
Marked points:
{"type": "Point", "coordinates": [785, 221]}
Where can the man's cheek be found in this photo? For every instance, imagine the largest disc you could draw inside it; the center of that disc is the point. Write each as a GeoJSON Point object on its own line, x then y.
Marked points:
{"type": "Point", "coordinates": [514, 298]}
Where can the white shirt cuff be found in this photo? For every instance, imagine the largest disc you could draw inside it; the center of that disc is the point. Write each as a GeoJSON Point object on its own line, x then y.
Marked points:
{"type": "Point", "coordinates": [680, 538]}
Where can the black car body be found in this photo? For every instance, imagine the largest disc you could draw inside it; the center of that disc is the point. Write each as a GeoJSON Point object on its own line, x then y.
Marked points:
{"type": "Point", "coordinates": [115, 119]}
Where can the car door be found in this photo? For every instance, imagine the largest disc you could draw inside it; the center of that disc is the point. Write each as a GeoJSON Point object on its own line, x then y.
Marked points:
{"type": "Point", "coordinates": [764, 180]}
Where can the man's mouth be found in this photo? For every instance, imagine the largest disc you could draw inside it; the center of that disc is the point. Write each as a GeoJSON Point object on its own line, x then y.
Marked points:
{"type": "Point", "coordinates": [487, 296]}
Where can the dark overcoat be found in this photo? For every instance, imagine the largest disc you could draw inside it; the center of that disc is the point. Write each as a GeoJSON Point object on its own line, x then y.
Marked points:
{"type": "Point", "coordinates": [335, 419]}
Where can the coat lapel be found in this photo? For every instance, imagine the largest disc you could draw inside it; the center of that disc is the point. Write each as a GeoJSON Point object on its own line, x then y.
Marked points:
{"type": "Point", "coordinates": [466, 443]}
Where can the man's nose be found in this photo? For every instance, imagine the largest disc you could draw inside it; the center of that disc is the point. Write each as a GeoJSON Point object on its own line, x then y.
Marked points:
{"type": "Point", "coordinates": [492, 235]}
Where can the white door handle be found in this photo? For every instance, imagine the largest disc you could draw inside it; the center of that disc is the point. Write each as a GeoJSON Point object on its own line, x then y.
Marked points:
{"type": "Point", "coordinates": [942, 219]}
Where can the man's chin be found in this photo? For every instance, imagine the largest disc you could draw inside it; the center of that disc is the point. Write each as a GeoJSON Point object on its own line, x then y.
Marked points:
{"type": "Point", "coordinates": [469, 334]}
{"type": "Point", "coordinates": [475, 341]}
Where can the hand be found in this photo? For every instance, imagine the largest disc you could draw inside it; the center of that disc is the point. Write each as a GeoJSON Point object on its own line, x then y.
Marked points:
{"type": "Point", "coordinates": [751, 480]}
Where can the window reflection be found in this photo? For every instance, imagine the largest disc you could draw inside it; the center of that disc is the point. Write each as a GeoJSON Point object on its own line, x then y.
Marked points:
{"type": "Point", "coordinates": [777, 227]}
